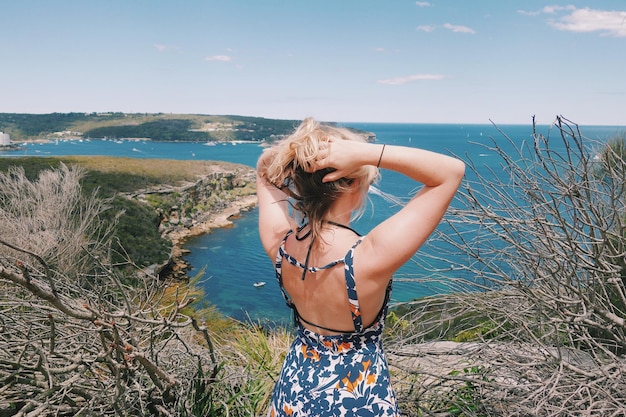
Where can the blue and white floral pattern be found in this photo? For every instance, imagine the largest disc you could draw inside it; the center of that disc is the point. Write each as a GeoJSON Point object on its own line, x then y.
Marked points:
{"type": "Point", "coordinates": [338, 375]}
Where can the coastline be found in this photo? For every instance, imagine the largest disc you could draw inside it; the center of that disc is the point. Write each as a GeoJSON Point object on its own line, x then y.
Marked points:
{"type": "Point", "coordinates": [204, 223]}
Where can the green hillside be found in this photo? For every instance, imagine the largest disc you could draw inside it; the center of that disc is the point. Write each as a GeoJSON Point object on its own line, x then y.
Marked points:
{"type": "Point", "coordinates": [157, 127]}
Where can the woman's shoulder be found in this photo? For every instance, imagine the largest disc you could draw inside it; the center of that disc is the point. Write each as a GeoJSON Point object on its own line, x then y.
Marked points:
{"type": "Point", "coordinates": [369, 262]}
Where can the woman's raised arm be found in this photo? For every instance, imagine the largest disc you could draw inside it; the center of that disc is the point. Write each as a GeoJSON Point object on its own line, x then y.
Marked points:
{"type": "Point", "coordinates": [274, 219]}
{"type": "Point", "coordinates": [396, 239]}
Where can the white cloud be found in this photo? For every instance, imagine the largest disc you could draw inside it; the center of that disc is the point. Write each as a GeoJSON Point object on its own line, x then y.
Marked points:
{"type": "Point", "coordinates": [553, 9]}
{"type": "Point", "coordinates": [382, 50]}
{"type": "Point", "coordinates": [546, 10]}
{"type": "Point", "coordinates": [449, 26]}
{"type": "Point", "coordinates": [426, 28]}
{"type": "Point", "coordinates": [589, 20]}
{"type": "Point", "coordinates": [221, 58]}
{"type": "Point", "coordinates": [459, 29]}
{"type": "Point", "coordinates": [585, 20]}
{"type": "Point", "coordinates": [165, 48]}
{"type": "Point", "coordinates": [422, 3]}
{"type": "Point", "coordinates": [527, 13]}
{"type": "Point", "coordinates": [411, 78]}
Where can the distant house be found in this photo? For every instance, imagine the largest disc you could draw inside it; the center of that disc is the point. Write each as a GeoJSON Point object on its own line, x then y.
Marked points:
{"type": "Point", "coordinates": [5, 139]}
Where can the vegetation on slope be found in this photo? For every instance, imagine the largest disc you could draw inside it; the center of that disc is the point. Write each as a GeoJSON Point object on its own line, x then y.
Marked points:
{"type": "Point", "coordinates": [137, 233]}
{"type": "Point", "coordinates": [82, 337]}
{"type": "Point", "coordinates": [157, 127]}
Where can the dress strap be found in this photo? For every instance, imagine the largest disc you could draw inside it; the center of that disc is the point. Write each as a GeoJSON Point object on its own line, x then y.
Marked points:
{"type": "Point", "coordinates": [278, 268]}
{"type": "Point", "coordinates": [283, 254]}
{"type": "Point", "coordinates": [353, 298]}
{"type": "Point", "coordinates": [344, 227]}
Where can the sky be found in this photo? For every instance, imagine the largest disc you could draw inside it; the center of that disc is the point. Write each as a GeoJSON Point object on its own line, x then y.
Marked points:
{"type": "Point", "coordinates": [400, 61]}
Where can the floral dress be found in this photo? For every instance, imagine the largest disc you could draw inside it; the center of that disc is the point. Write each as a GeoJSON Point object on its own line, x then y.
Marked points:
{"type": "Point", "coordinates": [337, 375]}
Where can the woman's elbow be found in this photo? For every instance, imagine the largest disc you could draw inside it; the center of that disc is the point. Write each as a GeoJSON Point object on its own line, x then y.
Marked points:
{"type": "Point", "coordinates": [457, 170]}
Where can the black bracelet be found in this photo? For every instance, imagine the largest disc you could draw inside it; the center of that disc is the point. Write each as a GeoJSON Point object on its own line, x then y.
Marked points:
{"type": "Point", "coordinates": [381, 156]}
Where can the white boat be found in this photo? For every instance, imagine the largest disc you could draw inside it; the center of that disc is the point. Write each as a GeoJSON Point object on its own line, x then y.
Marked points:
{"type": "Point", "coordinates": [259, 283]}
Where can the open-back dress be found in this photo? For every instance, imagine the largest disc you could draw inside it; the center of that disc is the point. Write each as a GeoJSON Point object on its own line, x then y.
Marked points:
{"type": "Point", "coordinates": [334, 375]}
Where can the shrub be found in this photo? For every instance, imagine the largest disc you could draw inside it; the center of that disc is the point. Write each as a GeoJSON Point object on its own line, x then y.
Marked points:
{"type": "Point", "coordinates": [544, 236]}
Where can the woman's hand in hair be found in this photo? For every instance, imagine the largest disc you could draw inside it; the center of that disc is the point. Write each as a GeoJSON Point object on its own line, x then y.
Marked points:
{"type": "Point", "coordinates": [345, 156]}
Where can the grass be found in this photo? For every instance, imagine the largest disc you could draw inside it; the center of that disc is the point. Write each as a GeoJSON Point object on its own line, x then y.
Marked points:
{"type": "Point", "coordinates": [145, 172]}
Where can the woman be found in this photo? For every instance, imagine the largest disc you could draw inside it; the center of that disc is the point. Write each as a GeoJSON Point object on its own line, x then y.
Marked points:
{"type": "Point", "coordinates": [338, 283]}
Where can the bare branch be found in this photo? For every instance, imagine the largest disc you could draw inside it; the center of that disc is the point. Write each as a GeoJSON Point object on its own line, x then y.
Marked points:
{"type": "Point", "coordinates": [76, 335]}
{"type": "Point", "coordinates": [543, 289]}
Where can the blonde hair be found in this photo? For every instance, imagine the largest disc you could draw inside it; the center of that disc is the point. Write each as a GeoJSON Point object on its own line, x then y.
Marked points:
{"type": "Point", "coordinates": [287, 169]}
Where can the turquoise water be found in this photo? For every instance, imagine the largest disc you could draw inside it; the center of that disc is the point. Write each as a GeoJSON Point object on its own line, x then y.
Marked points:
{"type": "Point", "coordinates": [230, 260]}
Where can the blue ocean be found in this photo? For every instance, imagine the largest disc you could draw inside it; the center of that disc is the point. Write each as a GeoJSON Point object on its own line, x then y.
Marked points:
{"type": "Point", "coordinates": [231, 260]}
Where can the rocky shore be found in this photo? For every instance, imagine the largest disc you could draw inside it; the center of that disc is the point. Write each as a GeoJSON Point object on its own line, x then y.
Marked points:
{"type": "Point", "coordinates": [178, 235]}
{"type": "Point", "coordinates": [194, 208]}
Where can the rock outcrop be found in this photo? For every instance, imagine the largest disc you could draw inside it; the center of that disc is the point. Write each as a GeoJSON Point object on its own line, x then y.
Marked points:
{"type": "Point", "coordinates": [194, 208]}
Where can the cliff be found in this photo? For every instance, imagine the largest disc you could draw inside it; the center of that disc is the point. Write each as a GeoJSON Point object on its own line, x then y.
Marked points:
{"type": "Point", "coordinates": [195, 207]}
